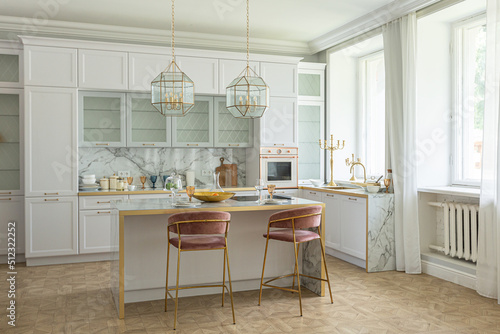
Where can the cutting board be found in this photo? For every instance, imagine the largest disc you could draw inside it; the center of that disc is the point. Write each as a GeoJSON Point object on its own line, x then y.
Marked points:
{"type": "Point", "coordinates": [228, 176]}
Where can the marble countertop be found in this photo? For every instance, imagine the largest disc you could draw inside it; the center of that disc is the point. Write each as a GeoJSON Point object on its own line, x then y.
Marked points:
{"type": "Point", "coordinates": [356, 192]}
{"type": "Point", "coordinates": [139, 191]}
{"type": "Point", "coordinates": [159, 205]}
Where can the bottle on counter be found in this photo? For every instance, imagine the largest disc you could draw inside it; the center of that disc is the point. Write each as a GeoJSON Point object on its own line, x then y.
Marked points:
{"type": "Point", "coordinates": [390, 187]}
{"type": "Point", "coordinates": [113, 182]}
{"type": "Point", "coordinates": [104, 183]}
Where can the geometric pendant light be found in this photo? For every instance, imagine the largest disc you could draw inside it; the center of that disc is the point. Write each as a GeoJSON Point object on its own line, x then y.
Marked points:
{"type": "Point", "coordinates": [172, 91]}
{"type": "Point", "coordinates": [247, 96]}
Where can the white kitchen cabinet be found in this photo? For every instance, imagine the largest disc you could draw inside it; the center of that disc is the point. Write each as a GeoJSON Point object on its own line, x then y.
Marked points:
{"type": "Point", "coordinates": [98, 202]}
{"type": "Point", "coordinates": [51, 159]}
{"type": "Point", "coordinates": [280, 78]}
{"type": "Point", "coordinates": [353, 215]}
{"type": "Point", "coordinates": [279, 126]}
{"type": "Point", "coordinates": [11, 209]}
{"type": "Point", "coordinates": [143, 68]}
{"type": "Point", "coordinates": [230, 131]}
{"type": "Point", "coordinates": [146, 127]}
{"type": "Point", "coordinates": [51, 226]}
{"type": "Point", "coordinates": [231, 69]}
{"type": "Point", "coordinates": [312, 195]}
{"type": "Point", "coordinates": [287, 192]}
{"type": "Point", "coordinates": [332, 220]}
{"type": "Point", "coordinates": [11, 68]}
{"type": "Point", "coordinates": [103, 69]}
{"type": "Point", "coordinates": [11, 141]}
{"type": "Point", "coordinates": [196, 128]}
{"type": "Point", "coordinates": [94, 231]}
{"type": "Point", "coordinates": [102, 119]}
{"type": "Point", "coordinates": [311, 115]}
{"type": "Point", "coordinates": [204, 72]}
{"type": "Point", "coordinates": [50, 66]}
{"type": "Point", "coordinates": [311, 82]}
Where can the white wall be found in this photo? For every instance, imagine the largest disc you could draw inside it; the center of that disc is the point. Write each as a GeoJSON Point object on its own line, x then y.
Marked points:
{"type": "Point", "coordinates": [433, 102]}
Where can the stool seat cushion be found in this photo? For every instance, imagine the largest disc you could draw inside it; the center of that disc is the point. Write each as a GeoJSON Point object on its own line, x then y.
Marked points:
{"type": "Point", "coordinates": [287, 235]}
{"type": "Point", "coordinates": [304, 222]}
{"type": "Point", "coordinates": [198, 242]}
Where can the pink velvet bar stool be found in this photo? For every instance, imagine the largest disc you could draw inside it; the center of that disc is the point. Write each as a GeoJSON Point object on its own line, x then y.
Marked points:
{"type": "Point", "coordinates": [291, 226]}
{"type": "Point", "coordinates": [198, 231]}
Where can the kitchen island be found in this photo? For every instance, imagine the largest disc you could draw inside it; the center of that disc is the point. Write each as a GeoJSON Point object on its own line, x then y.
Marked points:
{"type": "Point", "coordinates": [139, 241]}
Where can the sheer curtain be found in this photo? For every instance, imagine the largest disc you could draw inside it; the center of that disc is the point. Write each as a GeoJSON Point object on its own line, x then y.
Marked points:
{"type": "Point", "coordinates": [400, 62]}
{"type": "Point", "coordinates": [487, 264]}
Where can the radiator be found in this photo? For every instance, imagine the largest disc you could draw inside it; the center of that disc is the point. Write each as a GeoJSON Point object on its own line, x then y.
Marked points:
{"type": "Point", "coordinates": [460, 230]}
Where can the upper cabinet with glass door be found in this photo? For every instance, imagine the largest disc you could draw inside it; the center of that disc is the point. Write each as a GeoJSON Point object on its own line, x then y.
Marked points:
{"type": "Point", "coordinates": [102, 119]}
{"type": "Point", "coordinates": [195, 129]}
{"type": "Point", "coordinates": [146, 127]}
{"type": "Point", "coordinates": [312, 81]}
{"type": "Point", "coordinates": [11, 68]}
{"type": "Point", "coordinates": [10, 142]}
{"type": "Point", "coordinates": [230, 131]}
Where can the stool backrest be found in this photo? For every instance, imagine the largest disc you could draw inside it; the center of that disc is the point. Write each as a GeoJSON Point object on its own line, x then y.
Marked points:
{"type": "Point", "coordinates": [199, 222]}
{"type": "Point", "coordinates": [307, 217]}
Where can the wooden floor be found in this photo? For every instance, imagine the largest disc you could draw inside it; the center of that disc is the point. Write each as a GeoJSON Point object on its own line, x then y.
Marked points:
{"type": "Point", "coordinates": [76, 298]}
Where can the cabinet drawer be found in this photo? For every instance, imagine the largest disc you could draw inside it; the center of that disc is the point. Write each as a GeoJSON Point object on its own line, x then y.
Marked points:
{"type": "Point", "coordinates": [313, 195]}
{"type": "Point", "coordinates": [99, 202]}
{"type": "Point", "coordinates": [165, 195]}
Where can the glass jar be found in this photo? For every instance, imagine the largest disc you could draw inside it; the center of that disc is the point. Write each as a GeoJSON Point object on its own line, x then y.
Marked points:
{"type": "Point", "coordinates": [215, 185]}
{"type": "Point", "coordinates": [174, 184]}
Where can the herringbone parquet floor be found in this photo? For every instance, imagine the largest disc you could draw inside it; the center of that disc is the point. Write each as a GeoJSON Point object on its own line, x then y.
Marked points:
{"type": "Point", "coordinates": [75, 298]}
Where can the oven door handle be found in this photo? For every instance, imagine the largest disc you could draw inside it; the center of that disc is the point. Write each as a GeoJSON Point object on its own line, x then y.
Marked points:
{"type": "Point", "coordinates": [279, 156]}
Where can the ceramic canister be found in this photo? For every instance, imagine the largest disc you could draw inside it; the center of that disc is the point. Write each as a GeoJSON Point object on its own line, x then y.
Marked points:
{"type": "Point", "coordinates": [113, 180]}
{"type": "Point", "coordinates": [104, 183]}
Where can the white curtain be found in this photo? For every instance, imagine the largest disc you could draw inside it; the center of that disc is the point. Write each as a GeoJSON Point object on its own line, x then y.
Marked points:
{"type": "Point", "coordinates": [488, 278]}
{"type": "Point", "coordinates": [400, 85]}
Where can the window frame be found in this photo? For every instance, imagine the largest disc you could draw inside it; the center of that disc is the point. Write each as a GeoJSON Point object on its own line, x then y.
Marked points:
{"type": "Point", "coordinates": [457, 50]}
{"type": "Point", "coordinates": [362, 135]}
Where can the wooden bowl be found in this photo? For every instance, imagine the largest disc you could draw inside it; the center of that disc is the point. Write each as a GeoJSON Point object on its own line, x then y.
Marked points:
{"type": "Point", "coordinates": [213, 196]}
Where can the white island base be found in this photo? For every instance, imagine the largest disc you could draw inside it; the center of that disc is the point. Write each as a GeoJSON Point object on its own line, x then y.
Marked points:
{"type": "Point", "coordinates": [138, 268]}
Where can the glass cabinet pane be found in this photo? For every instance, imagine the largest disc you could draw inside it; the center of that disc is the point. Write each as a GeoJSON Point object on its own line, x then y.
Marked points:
{"type": "Point", "coordinates": [9, 68]}
{"type": "Point", "coordinates": [309, 135]}
{"type": "Point", "coordinates": [9, 142]}
{"type": "Point", "coordinates": [309, 84]}
{"type": "Point", "coordinates": [196, 127]}
{"type": "Point", "coordinates": [103, 119]}
{"type": "Point", "coordinates": [147, 124]}
{"type": "Point", "coordinates": [231, 130]}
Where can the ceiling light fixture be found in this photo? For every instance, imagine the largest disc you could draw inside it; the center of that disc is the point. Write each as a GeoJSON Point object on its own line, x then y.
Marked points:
{"type": "Point", "coordinates": [172, 91]}
{"type": "Point", "coordinates": [247, 96]}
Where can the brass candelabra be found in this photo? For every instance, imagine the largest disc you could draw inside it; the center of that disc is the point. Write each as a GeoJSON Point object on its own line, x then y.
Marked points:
{"type": "Point", "coordinates": [331, 148]}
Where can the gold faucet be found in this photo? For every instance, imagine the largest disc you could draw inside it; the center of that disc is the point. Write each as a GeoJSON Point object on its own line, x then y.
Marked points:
{"type": "Point", "coordinates": [354, 163]}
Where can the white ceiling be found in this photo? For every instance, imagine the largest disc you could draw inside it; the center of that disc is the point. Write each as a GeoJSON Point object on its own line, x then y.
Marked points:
{"type": "Point", "coordinates": [287, 20]}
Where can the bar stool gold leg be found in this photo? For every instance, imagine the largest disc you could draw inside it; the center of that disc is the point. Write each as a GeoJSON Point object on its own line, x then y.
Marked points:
{"type": "Point", "coordinates": [295, 270]}
{"type": "Point", "coordinates": [166, 284]}
{"type": "Point", "coordinates": [326, 269]}
{"type": "Point", "coordinates": [263, 268]}
{"type": "Point", "coordinates": [223, 276]}
{"type": "Point", "coordinates": [298, 274]}
{"type": "Point", "coordinates": [177, 285]}
{"type": "Point", "coordinates": [226, 255]}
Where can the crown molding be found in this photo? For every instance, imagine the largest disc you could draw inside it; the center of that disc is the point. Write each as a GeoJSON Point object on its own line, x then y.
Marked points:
{"type": "Point", "coordinates": [14, 26]}
{"type": "Point", "coordinates": [370, 21]}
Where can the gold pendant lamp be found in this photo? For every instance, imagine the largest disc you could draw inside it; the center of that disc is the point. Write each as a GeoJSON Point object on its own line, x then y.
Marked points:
{"type": "Point", "coordinates": [247, 96]}
{"type": "Point", "coordinates": [172, 91]}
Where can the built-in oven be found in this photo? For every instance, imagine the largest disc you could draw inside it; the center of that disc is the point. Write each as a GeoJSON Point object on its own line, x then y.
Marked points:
{"type": "Point", "coordinates": [279, 166]}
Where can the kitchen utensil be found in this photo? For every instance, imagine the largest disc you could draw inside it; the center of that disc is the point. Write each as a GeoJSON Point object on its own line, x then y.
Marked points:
{"type": "Point", "coordinates": [270, 190]}
{"type": "Point", "coordinates": [130, 179]}
{"type": "Point", "coordinates": [132, 187]}
{"type": "Point", "coordinates": [153, 179]}
{"type": "Point", "coordinates": [387, 183]}
{"type": "Point", "coordinates": [190, 192]}
{"type": "Point", "coordinates": [373, 189]}
{"type": "Point", "coordinates": [381, 176]}
{"type": "Point", "coordinates": [164, 180]}
{"type": "Point", "coordinates": [228, 174]}
{"type": "Point", "coordinates": [143, 180]}
{"type": "Point", "coordinates": [259, 185]}
{"type": "Point", "coordinates": [112, 181]}
{"type": "Point", "coordinates": [104, 183]}
{"type": "Point", "coordinates": [88, 181]}
{"type": "Point", "coordinates": [213, 196]}
{"type": "Point", "coordinates": [316, 183]}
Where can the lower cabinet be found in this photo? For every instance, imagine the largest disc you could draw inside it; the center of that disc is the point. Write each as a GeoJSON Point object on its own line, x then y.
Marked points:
{"type": "Point", "coordinates": [332, 220]}
{"type": "Point", "coordinates": [353, 211]}
{"type": "Point", "coordinates": [11, 210]}
{"type": "Point", "coordinates": [52, 226]}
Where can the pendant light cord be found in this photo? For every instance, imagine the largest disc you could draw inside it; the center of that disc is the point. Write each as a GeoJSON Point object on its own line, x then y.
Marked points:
{"type": "Point", "coordinates": [248, 37]}
{"type": "Point", "coordinates": [173, 31]}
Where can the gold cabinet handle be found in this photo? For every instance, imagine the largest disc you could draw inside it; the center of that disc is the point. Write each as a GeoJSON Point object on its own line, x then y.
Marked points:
{"type": "Point", "coordinates": [233, 144]}
{"type": "Point", "coordinates": [330, 195]}
{"type": "Point", "coordinates": [6, 193]}
{"type": "Point", "coordinates": [6, 199]}
{"type": "Point", "coordinates": [192, 144]}
{"type": "Point", "coordinates": [353, 199]}
{"type": "Point", "coordinates": [103, 202]}
{"type": "Point", "coordinates": [102, 144]}
{"type": "Point", "coordinates": [312, 193]}
{"type": "Point", "coordinates": [101, 212]}
{"type": "Point", "coordinates": [51, 200]}
{"type": "Point", "coordinates": [148, 144]}
{"type": "Point", "coordinates": [279, 144]}
{"type": "Point", "coordinates": [51, 193]}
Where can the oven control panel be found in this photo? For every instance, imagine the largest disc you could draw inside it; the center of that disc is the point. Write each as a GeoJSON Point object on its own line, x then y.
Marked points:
{"type": "Point", "coordinates": [279, 151]}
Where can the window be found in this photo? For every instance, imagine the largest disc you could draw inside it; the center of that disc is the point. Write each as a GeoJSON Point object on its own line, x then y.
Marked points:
{"type": "Point", "coordinates": [372, 106]}
{"type": "Point", "coordinates": [469, 69]}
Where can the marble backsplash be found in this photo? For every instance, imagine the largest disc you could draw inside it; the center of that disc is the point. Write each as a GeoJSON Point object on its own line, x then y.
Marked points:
{"type": "Point", "coordinates": [160, 161]}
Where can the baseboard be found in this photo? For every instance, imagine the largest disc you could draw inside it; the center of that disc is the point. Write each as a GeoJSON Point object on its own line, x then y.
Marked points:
{"type": "Point", "coordinates": [345, 257]}
{"type": "Point", "coordinates": [134, 296]}
{"type": "Point", "coordinates": [45, 261]}
{"type": "Point", "coordinates": [449, 270]}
